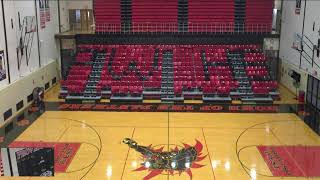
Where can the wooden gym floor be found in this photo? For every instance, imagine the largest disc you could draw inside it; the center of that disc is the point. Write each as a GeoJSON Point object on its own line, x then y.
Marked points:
{"type": "Point", "coordinates": [103, 156]}
{"type": "Point", "coordinates": [230, 141]}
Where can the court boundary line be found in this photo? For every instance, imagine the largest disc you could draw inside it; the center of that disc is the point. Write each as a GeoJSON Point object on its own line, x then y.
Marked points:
{"type": "Point", "coordinates": [258, 172]}
{"type": "Point", "coordinates": [205, 141]}
{"type": "Point", "coordinates": [265, 175]}
{"type": "Point", "coordinates": [290, 155]}
{"type": "Point", "coordinates": [125, 162]}
{"type": "Point", "coordinates": [291, 120]}
{"type": "Point", "coordinates": [154, 127]}
{"type": "Point", "coordinates": [168, 126]}
{"type": "Point", "coordinates": [63, 133]}
{"type": "Point", "coordinates": [77, 170]}
{"type": "Point", "coordinates": [67, 172]}
{"type": "Point", "coordinates": [93, 145]}
{"type": "Point", "coordinates": [248, 128]}
{"type": "Point", "coordinates": [58, 140]}
{"type": "Point", "coordinates": [95, 131]}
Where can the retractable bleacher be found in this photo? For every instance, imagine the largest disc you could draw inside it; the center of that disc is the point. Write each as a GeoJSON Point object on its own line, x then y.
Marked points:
{"type": "Point", "coordinates": [167, 68]}
{"type": "Point", "coordinates": [259, 15]}
{"type": "Point", "coordinates": [107, 15]}
{"type": "Point", "coordinates": [154, 16]}
{"type": "Point", "coordinates": [171, 72]}
{"type": "Point", "coordinates": [211, 16]}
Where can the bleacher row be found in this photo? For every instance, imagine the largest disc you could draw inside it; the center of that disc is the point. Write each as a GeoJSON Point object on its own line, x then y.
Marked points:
{"type": "Point", "coordinates": [138, 70]}
{"type": "Point", "coordinates": [203, 16]}
{"type": "Point", "coordinates": [77, 79]}
{"type": "Point", "coordinates": [259, 12]}
{"type": "Point", "coordinates": [108, 12]}
{"type": "Point", "coordinates": [154, 13]}
{"type": "Point", "coordinates": [190, 71]}
{"type": "Point", "coordinates": [204, 12]}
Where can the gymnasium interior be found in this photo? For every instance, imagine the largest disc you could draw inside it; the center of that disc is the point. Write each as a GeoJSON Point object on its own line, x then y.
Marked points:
{"type": "Point", "coordinates": [161, 90]}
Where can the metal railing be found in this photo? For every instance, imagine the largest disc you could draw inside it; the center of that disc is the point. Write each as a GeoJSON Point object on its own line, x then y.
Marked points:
{"type": "Point", "coordinates": [74, 27]}
{"type": "Point", "coordinates": [307, 49]}
{"type": "Point", "coordinates": [202, 28]}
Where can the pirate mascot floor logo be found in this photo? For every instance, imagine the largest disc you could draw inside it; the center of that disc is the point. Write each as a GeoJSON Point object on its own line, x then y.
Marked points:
{"type": "Point", "coordinates": [176, 161]}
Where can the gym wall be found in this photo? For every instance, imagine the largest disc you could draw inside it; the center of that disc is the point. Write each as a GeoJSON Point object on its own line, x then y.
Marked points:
{"type": "Point", "coordinates": [291, 24]}
{"type": "Point", "coordinates": [48, 44]}
{"type": "Point", "coordinates": [302, 24]}
{"type": "Point", "coordinates": [312, 28]}
{"type": "Point", "coordinates": [21, 63]}
{"type": "Point", "coordinates": [42, 47]}
{"type": "Point", "coordinates": [287, 81]}
{"type": "Point", "coordinates": [22, 88]}
{"type": "Point", "coordinates": [43, 59]}
{"type": "Point", "coordinates": [2, 47]}
{"type": "Point", "coordinates": [64, 16]}
{"type": "Point", "coordinates": [80, 4]}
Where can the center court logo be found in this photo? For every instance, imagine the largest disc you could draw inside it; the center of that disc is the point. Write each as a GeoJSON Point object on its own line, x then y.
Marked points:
{"type": "Point", "coordinates": [180, 159]}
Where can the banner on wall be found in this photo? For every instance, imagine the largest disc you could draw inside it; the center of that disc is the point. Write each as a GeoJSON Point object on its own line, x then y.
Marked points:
{"type": "Point", "coordinates": [298, 6]}
{"type": "Point", "coordinates": [47, 10]}
{"type": "Point", "coordinates": [2, 66]}
{"type": "Point", "coordinates": [42, 14]}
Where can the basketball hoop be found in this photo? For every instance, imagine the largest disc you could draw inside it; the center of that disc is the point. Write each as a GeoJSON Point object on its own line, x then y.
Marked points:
{"type": "Point", "coordinates": [26, 36]}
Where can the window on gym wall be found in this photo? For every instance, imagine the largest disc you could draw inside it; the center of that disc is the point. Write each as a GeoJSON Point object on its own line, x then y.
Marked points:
{"type": "Point", "coordinates": [309, 89]}
{"type": "Point", "coordinates": [81, 19]}
{"type": "Point", "coordinates": [276, 16]}
{"type": "Point", "coordinates": [318, 98]}
{"type": "Point", "coordinates": [313, 92]}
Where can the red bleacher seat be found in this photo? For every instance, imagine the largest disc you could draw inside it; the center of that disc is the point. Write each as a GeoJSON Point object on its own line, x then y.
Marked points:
{"type": "Point", "coordinates": [211, 16]}
{"type": "Point", "coordinates": [77, 79]}
{"type": "Point", "coordinates": [107, 15]}
{"type": "Point", "coordinates": [84, 57]}
{"type": "Point", "coordinates": [259, 15]}
{"type": "Point", "coordinates": [154, 16]}
{"type": "Point", "coordinates": [133, 71]}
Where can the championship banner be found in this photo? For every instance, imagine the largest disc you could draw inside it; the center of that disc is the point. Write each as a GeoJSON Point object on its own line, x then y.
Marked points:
{"type": "Point", "coordinates": [298, 7]}
{"type": "Point", "coordinates": [42, 14]}
{"type": "Point", "coordinates": [47, 9]}
{"type": "Point", "coordinates": [2, 66]}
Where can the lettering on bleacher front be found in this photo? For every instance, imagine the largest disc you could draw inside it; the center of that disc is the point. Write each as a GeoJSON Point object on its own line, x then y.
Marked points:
{"type": "Point", "coordinates": [171, 108]}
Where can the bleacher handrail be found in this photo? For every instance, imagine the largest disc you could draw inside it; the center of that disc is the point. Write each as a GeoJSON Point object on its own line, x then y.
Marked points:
{"type": "Point", "coordinates": [151, 27]}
